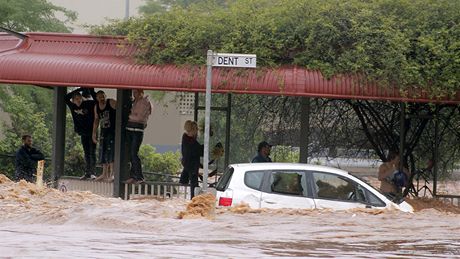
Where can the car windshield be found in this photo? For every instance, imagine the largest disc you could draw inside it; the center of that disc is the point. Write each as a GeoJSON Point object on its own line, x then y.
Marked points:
{"type": "Point", "coordinates": [390, 197]}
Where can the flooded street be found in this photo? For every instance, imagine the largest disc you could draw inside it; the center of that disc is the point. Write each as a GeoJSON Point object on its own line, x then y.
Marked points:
{"type": "Point", "coordinates": [49, 224]}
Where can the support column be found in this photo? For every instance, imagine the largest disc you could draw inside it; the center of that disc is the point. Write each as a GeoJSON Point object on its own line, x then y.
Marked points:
{"type": "Point", "coordinates": [59, 118]}
{"type": "Point", "coordinates": [196, 107]}
{"type": "Point", "coordinates": [227, 130]}
{"type": "Point", "coordinates": [402, 134]}
{"type": "Point", "coordinates": [120, 166]}
{"type": "Point", "coordinates": [436, 151]}
{"type": "Point", "coordinates": [304, 129]}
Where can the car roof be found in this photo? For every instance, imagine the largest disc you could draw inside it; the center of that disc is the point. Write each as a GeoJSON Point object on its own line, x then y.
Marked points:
{"type": "Point", "coordinates": [289, 166]}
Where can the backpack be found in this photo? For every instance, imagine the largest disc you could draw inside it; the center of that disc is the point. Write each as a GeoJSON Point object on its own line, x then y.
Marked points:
{"type": "Point", "coordinates": [400, 179]}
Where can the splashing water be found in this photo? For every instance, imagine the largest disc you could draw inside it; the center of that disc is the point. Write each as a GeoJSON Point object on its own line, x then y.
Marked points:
{"type": "Point", "coordinates": [42, 222]}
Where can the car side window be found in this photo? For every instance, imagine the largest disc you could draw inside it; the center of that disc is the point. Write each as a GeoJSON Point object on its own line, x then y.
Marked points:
{"type": "Point", "coordinates": [360, 194]}
{"type": "Point", "coordinates": [253, 179]}
{"type": "Point", "coordinates": [330, 186]}
{"type": "Point", "coordinates": [287, 182]}
{"type": "Point", "coordinates": [374, 200]}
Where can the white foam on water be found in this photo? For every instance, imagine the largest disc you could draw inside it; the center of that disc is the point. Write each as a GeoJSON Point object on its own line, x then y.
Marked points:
{"type": "Point", "coordinates": [47, 223]}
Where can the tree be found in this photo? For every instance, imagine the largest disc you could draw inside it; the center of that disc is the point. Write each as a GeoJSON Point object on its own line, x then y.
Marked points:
{"type": "Point", "coordinates": [23, 121]}
{"type": "Point", "coordinates": [402, 44]}
{"type": "Point", "coordinates": [394, 43]}
{"type": "Point", "coordinates": [34, 15]}
{"type": "Point", "coordinates": [159, 6]}
{"type": "Point", "coordinates": [30, 112]}
{"type": "Point", "coordinates": [167, 163]}
{"type": "Point", "coordinates": [30, 107]}
{"type": "Point", "coordinates": [152, 7]}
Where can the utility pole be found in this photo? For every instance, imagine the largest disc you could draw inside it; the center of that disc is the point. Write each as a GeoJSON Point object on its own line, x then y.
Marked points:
{"type": "Point", "coordinates": [126, 9]}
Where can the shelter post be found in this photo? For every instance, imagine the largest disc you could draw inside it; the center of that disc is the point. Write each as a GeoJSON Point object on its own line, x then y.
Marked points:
{"type": "Point", "coordinates": [227, 129]}
{"type": "Point", "coordinates": [207, 119]}
{"type": "Point", "coordinates": [120, 166]}
{"type": "Point", "coordinates": [59, 118]}
{"type": "Point", "coordinates": [304, 129]}
{"type": "Point", "coordinates": [402, 133]}
{"type": "Point", "coordinates": [196, 107]}
{"type": "Point", "coordinates": [436, 151]}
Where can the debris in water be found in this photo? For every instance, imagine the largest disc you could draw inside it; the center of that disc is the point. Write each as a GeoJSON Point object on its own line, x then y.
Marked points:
{"type": "Point", "coordinates": [203, 205]}
{"type": "Point", "coordinates": [244, 208]}
{"type": "Point", "coordinates": [368, 211]}
{"type": "Point", "coordinates": [27, 203]}
{"type": "Point", "coordinates": [420, 204]}
{"type": "Point", "coordinates": [241, 208]}
{"type": "Point", "coordinates": [4, 179]}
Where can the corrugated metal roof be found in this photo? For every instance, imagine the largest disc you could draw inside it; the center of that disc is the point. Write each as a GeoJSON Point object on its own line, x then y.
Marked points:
{"type": "Point", "coordinates": [8, 42]}
{"type": "Point", "coordinates": [108, 62]}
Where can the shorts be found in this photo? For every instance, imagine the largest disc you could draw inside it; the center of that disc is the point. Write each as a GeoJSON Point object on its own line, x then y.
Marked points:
{"type": "Point", "coordinates": [107, 148]}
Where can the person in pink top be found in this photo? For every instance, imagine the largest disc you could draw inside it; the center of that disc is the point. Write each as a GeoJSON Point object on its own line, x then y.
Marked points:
{"type": "Point", "coordinates": [137, 122]}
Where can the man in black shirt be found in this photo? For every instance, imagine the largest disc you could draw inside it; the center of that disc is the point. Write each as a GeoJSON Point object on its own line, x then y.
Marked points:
{"type": "Point", "coordinates": [83, 119]}
{"type": "Point", "coordinates": [104, 114]}
{"type": "Point", "coordinates": [26, 160]}
{"type": "Point", "coordinates": [263, 153]}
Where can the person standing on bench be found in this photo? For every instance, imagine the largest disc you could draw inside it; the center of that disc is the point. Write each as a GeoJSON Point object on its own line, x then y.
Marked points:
{"type": "Point", "coordinates": [104, 113]}
{"type": "Point", "coordinates": [82, 111]}
{"type": "Point", "coordinates": [137, 122]}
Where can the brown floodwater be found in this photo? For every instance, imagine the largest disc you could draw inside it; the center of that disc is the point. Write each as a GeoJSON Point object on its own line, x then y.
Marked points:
{"type": "Point", "coordinates": [46, 223]}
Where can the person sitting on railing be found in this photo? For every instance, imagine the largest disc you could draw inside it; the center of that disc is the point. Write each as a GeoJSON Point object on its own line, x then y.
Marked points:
{"type": "Point", "coordinates": [391, 178]}
{"type": "Point", "coordinates": [26, 160]}
{"type": "Point", "coordinates": [216, 153]}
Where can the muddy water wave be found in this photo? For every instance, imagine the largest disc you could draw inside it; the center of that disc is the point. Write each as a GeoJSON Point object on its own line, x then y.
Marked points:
{"type": "Point", "coordinates": [46, 223]}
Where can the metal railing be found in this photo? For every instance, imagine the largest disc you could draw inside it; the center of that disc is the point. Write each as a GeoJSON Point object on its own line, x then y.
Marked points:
{"type": "Point", "coordinates": [69, 183]}
{"type": "Point", "coordinates": [452, 199]}
{"type": "Point", "coordinates": [157, 190]}
{"type": "Point", "coordinates": [13, 156]}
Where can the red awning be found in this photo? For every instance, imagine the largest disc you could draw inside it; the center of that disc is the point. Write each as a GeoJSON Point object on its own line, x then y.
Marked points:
{"type": "Point", "coordinates": [8, 42]}
{"type": "Point", "coordinates": [53, 59]}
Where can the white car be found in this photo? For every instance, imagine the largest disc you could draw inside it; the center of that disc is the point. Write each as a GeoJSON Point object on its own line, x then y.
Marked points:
{"type": "Point", "coordinates": [299, 186]}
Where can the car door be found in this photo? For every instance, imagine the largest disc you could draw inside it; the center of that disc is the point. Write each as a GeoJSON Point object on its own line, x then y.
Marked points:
{"type": "Point", "coordinates": [251, 193]}
{"type": "Point", "coordinates": [286, 189]}
{"type": "Point", "coordinates": [333, 191]}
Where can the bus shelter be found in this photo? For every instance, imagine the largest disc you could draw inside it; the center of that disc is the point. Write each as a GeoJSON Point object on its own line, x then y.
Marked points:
{"type": "Point", "coordinates": [60, 60]}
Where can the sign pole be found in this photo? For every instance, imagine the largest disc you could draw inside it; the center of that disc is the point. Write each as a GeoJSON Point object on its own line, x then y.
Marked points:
{"type": "Point", "coordinates": [207, 119]}
{"type": "Point", "coordinates": [219, 60]}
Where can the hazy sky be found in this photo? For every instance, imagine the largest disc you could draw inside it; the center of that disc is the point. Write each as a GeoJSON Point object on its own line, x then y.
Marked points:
{"type": "Point", "coordinates": [97, 11]}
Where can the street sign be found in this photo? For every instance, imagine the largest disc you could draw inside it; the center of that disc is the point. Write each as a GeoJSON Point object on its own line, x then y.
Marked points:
{"type": "Point", "coordinates": [218, 60]}
{"type": "Point", "coordinates": [234, 60]}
